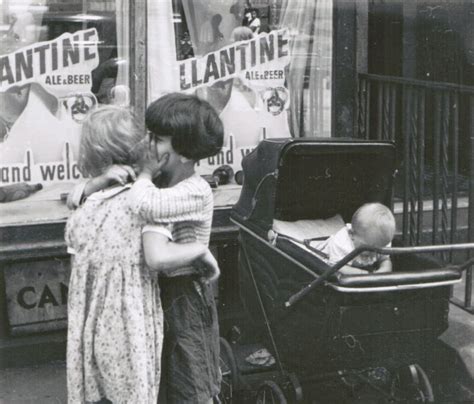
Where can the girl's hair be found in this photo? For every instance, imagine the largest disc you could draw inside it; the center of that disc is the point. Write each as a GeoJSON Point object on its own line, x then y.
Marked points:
{"type": "Point", "coordinates": [110, 135]}
{"type": "Point", "coordinates": [195, 128]}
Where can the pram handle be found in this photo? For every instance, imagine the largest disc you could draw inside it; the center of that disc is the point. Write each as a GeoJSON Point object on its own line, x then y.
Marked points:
{"type": "Point", "coordinates": [385, 251]}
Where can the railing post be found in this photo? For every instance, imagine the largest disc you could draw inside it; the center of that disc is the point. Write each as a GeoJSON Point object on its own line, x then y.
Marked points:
{"type": "Point", "coordinates": [368, 100]}
{"type": "Point", "coordinates": [468, 295]}
{"type": "Point", "coordinates": [406, 99]}
{"type": "Point", "coordinates": [454, 189]}
{"type": "Point", "coordinates": [436, 155]}
{"type": "Point", "coordinates": [466, 304]}
{"type": "Point", "coordinates": [393, 110]}
{"type": "Point", "coordinates": [415, 164]}
{"type": "Point", "coordinates": [421, 164]}
{"type": "Point", "coordinates": [444, 169]}
{"type": "Point", "coordinates": [380, 110]}
{"type": "Point", "coordinates": [362, 104]}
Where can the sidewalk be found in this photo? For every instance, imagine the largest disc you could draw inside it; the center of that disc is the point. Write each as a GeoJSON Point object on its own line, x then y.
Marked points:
{"type": "Point", "coordinates": [460, 337]}
{"type": "Point", "coordinates": [41, 384]}
{"type": "Point", "coordinates": [46, 384]}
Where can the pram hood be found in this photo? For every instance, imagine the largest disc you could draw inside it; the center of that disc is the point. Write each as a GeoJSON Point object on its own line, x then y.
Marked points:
{"type": "Point", "coordinates": [307, 178]}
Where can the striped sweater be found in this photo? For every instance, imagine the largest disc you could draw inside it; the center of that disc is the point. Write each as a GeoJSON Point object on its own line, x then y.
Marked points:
{"type": "Point", "coordinates": [187, 207]}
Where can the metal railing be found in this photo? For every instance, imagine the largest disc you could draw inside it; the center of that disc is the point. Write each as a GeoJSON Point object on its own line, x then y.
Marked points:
{"type": "Point", "coordinates": [432, 124]}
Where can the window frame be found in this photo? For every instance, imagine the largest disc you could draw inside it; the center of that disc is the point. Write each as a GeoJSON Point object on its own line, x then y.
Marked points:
{"type": "Point", "coordinates": [138, 58]}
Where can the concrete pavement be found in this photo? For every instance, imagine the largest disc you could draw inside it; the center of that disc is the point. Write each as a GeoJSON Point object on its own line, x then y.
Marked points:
{"type": "Point", "coordinates": [40, 384]}
{"type": "Point", "coordinates": [46, 383]}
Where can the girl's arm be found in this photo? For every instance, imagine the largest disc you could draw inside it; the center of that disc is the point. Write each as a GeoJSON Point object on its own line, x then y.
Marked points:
{"type": "Point", "coordinates": [169, 258]}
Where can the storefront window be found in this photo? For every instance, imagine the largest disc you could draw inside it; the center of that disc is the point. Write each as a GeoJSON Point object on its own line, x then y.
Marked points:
{"type": "Point", "coordinates": [58, 60]}
{"type": "Point", "coordinates": [264, 65]}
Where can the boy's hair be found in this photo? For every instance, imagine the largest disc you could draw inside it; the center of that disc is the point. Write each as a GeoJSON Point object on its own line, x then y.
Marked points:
{"type": "Point", "coordinates": [375, 220]}
{"type": "Point", "coordinates": [194, 126]}
{"type": "Point", "coordinates": [110, 135]}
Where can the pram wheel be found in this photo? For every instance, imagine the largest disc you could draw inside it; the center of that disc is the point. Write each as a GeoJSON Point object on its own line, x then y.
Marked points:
{"type": "Point", "coordinates": [230, 379]}
{"type": "Point", "coordinates": [291, 387]}
{"type": "Point", "coordinates": [270, 393]}
{"type": "Point", "coordinates": [413, 384]}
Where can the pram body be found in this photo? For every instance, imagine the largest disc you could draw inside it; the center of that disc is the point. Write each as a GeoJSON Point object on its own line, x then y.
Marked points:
{"type": "Point", "coordinates": [348, 321]}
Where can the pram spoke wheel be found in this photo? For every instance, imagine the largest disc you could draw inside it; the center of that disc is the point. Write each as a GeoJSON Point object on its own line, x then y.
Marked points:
{"type": "Point", "coordinates": [228, 367]}
{"type": "Point", "coordinates": [413, 384]}
{"type": "Point", "coordinates": [270, 393]}
{"type": "Point", "coordinates": [293, 389]}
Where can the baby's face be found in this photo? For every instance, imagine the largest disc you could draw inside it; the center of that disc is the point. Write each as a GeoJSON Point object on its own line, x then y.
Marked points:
{"type": "Point", "coordinates": [365, 258]}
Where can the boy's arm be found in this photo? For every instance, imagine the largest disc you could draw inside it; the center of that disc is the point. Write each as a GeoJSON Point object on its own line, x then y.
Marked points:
{"type": "Point", "coordinates": [76, 196]}
{"type": "Point", "coordinates": [69, 235]}
{"type": "Point", "coordinates": [186, 201]}
{"type": "Point", "coordinates": [115, 174]}
{"type": "Point", "coordinates": [169, 258]}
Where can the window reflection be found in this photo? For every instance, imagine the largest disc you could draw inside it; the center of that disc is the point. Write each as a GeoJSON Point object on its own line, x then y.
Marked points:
{"type": "Point", "coordinates": [58, 61]}
{"type": "Point", "coordinates": [286, 93]}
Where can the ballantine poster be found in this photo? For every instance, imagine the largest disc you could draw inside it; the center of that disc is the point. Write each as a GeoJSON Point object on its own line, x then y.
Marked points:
{"type": "Point", "coordinates": [45, 92]}
{"type": "Point", "coordinates": [245, 82]}
{"type": "Point", "coordinates": [241, 58]}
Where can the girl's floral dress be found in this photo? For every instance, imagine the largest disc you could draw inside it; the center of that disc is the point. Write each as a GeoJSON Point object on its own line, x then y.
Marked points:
{"type": "Point", "coordinates": [115, 319]}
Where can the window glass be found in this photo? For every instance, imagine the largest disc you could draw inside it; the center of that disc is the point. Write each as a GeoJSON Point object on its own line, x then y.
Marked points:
{"type": "Point", "coordinates": [265, 65]}
{"type": "Point", "coordinates": [58, 60]}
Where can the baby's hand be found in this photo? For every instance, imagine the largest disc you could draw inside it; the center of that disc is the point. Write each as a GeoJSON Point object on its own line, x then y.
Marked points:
{"type": "Point", "coordinates": [382, 270]}
{"type": "Point", "coordinates": [151, 164]}
{"type": "Point", "coordinates": [119, 173]}
{"type": "Point", "coordinates": [211, 269]}
{"type": "Point", "coordinates": [366, 259]}
{"type": "Point", "coordinates": [385, 266]}
{"type": "Point", "coordinates": [349, 270]}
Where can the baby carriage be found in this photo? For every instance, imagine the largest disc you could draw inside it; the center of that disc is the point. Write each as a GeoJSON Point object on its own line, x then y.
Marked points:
{"type": "Point", "coordinates": [375, 330]}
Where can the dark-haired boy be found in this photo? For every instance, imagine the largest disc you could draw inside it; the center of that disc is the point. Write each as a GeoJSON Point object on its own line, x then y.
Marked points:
{"type": "Point", "coordinates": [185, 129]}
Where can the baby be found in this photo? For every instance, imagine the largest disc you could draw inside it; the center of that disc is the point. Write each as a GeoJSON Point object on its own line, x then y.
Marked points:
{"type": "Point", "coordinates": [372, 225]}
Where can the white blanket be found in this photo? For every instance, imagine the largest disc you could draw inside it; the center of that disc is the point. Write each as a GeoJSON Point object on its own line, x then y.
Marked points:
{"type": "Point", "coordinates": [305, 229]}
